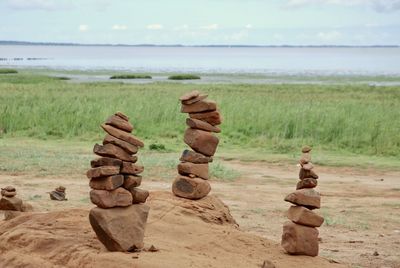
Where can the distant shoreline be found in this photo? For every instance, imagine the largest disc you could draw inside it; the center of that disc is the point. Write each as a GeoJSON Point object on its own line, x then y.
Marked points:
{"type": "Point", "coordinates": [26, 43]}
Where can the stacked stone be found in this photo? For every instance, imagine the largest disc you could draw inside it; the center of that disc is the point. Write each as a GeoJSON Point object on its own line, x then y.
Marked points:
{"type": "Point", "coordinates": [300, 236]}
{"type": "Point", "coordinates": [9, 201]}
{"type": "Point", "coordinates": [58, 194]}
{"type": "Point", "coordinates": [120, 216]}
{"type": "Point", "coordinates": [203, 121]}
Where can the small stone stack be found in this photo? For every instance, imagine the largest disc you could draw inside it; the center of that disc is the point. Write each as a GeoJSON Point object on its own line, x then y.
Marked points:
{"type": "Point", "coordinates": [300, 237]}
{"type": "Point", "coordinates": [204, 117]}
{"type": "Point", "coordinates": [120, 216]}
{"type": "Point", "coordinates": [9, 201]}
{"type": "Point", "coordinates": [58, 194]}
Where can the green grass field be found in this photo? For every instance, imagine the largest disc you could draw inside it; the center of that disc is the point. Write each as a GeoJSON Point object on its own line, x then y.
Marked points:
{"type": "Point", "coordinates": [352, 120]}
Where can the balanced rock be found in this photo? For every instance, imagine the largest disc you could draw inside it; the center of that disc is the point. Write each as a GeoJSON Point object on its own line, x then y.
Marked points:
{"type": "Point", "coordinates": [190, 188]}
{"type": "Point", "coordinates": [131, 168]}
{"type": "Point", "coordinates": [122, 115]}
{"type": "Point", "coordinates": [122, 135]}
{"type": "Point", "coordinates": [10, 203]}
{"type": "Point", "coordinates": [102, 171]}
{"type": "Point", "coordinates": [119, 197]}
{"type": "Point", "coordinates": [307, 183]}
{"type": "Point", "coordinates": [213, 118]}
{"type": "Point", "coordinates": [118, 122]}
{"type": "Point", "coordinates": [138, 195]}
{"type": "Point", "coordinates": [194, 100]}
{"type": "Point", "coordinates": [8, 194]}
{"type": "Point", "coordinates": [193, 157]}
{"type": "Point", "coordinates": [107, 183]}
{"type": "Point", "coordinates": [110, 150]}
{"type": "Point", "coordinates": [306, 149]}
{"type": "Point", "coordinates": [308, 166]}
{"type": "Point", "coordinates": [189, 96]}
{"type": "Point", "coordinates": [303, 174]}
{"type": "Point", "coordinates": [305, 158]}
{"type": "Point", "coordinates": [120, 229]}
{"type": "Point", "coordinates": [58, 196]}
{"type": "Point", "coordinates": [198, 170]}
{"type": "Point", "coordinates": [300, 240]}
{"type": "Point", "coordinates": [198, 124]}
{"type": "Point", "coordinates": [129, 148]}
{"type": "Point", "coordinates": [201, 141]}
{"type": "Point", "coordinates": [200, 106]}
{"type": "Point", "coordinates": [105, 161]}
{"type": "Point", "coordinates": [131, 181]}
{"type": "Point", "coordinates": [304, 216]}
{"type": "Point", "coordinates": [305, 197]}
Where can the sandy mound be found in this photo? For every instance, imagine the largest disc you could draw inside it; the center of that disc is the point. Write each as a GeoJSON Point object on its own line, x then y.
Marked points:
{"type": "Point", "coordinates": [187, 234]}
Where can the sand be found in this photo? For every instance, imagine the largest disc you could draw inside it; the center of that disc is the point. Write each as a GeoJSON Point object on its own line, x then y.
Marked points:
{"type": "Point", "coordinates": [187, 233]}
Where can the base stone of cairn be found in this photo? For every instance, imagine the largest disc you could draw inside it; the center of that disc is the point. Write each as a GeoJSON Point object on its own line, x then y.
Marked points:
{"type": "Point", "coordinates": [120, 217]}
{"type": "Point", "coordinates": [202, 123]}
{"type": "Point", "coordinates": [300, 235]}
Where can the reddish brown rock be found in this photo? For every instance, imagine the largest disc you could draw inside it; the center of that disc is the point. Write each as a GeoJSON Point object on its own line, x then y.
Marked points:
{"type": "Point", "coordinates": [122, 135]}
{"type": "Point", "coordinates": [129, 148]}
{"type": "Point", "coordinates": [131, 169]}
{"type": "Point", "coordinates": [107, 183]}
{"type": "Point", "coordinates": [306, 149]}
{"type": "Point", "coordinates": [102, 171]}
{"type": "Point", "coordinates": [119, 197]}
{"type": "Point", "coordinates": [199, 107]}
{"type": "Point", "coordinates": [131, 181]}
{"type": "Point", "coordinates": [305, 197]}
{"type": "Point", "coordinates": [110, 150]}
{"type": "Point", "coordinates": [193, 157]}
{"type": "Point", "coordinates": [10, 203]}
{"type": "Point", "coordinates": [138, 195]}
{"type": "Point", "coordinates": [9, 189]}
{"type": "Point", "coordinates": [201, 141]}
{"type": "Point", "coordinates": [214, 118]}
{"type": "Point", "coordinates": [105, 161]}
{"type": "Point", "coordinates": [120, 229]}
{"type": "Point", "coordinates": [191, 95]}
{"type": "Point", "coordinates": [307, 183]}
{"type": "Point", "coordinates": [304, 216]}
{"type": "Point", "coordinates": [119, 123]}
{"type": "Point", "coordinates": [194, 100]}
{"type": "Point", "coordinates": [58, 196]}
{"type": "Point", "coordinates": [305, 158]}
{"type": "Point", "coordinates": [190, 188]}
{"type": "Point", "coordinates": [198, 170]}
{"type": "Point", "coordinates": [198, 124]}
{"type": "Point", "coordinates": [303, 174]}
{"type": "Point", "coordinates": [300, 240]}
{"type": "Point", "coordinates": [122, 115]}
{"type": "Point", "coordinates": [8, 194]}
{"type": "Point", "coordinates": [307, 166]}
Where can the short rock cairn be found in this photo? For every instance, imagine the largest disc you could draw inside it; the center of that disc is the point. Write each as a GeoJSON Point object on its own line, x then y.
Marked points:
{"type": "Point", "coordinates": [120, 216]}
{"type": "Point", "coordinates": [8, 200]}
{"type": "Point", "coordinates": [300, 237]}
{"type": "Point", "coordinates": [204, 117]}
{"type": "Point", "coordinates": [58, 194]}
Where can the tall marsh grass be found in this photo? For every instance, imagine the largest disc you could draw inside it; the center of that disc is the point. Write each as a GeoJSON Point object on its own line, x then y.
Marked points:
{"type": "Point", "coordinates": [354, 118]}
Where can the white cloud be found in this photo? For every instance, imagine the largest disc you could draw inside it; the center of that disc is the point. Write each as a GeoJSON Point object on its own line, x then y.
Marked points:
{"type": "Point", "coordinates": [38, 4]}
{"type": "Point", "coordinates": [83, 28]}
{"type": "Point", "coordinates": [378, 5]}
{"type": "Point", "coordinates": [119, 27]}
{"type": "Point", "coordinates": [210, 27]}
{"type": "Point", "coordinates": [248, 26]}
{"type": "Point", "coordinates": [155, 27]}
{"type": "Point", "coordinates": [329, 36]}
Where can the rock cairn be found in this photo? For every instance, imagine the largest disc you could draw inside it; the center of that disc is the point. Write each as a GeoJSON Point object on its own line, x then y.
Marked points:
{"type": "Point", "coordinates": [300, 237]}
{"type": "Point", "coordinates": [204, 117]}
{"type": "Point", "coordinates": [58, 194]}
{"type": "Point", "coordinates": [9, 201]}
{"type": "Point", "coordinates": [120, 216]}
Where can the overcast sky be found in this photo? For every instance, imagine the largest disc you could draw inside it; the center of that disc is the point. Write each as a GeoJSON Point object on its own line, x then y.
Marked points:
{"type": "Point", "coordinates": [199, 22]}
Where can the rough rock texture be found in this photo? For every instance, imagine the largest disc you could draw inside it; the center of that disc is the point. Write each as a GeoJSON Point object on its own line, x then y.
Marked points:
{"type": "Point", "coordinates": [107, 183]}
{"type": "Point", "coordinates": [119, 197]}
{"type": "Point", "coordinates": [10, 203]}
{"type": "Point", "coordinates": [129, 148]}
{"type": "Point", "coordinates": [66, 239]}
{"type": "Point", "coordinates": [118, 122]}
{"type": "Point", "coordinates": [194, 157]}
{"type": "Point", "coordinates": [120, 229]}
{"type": "Point", "coordinates": [191, 188]}
{"type": "Point", "coordinates": [102, 171]}
{"type": "Point", "coordinates": [214, 118]}
{"type": "Point", "coordinates": [198, 170]}
{"type": "Point", "coordinates": [201, 141]}
{"type": "Point", "coordinates": [132, 181]}
{"type": "Point", "coordinates": [300, 240]}
{"type": "Point", "coordinates": [59, 196]}
{"type": "Point", "coordinates": [200, 106]}
{"type": "Point", "coordinates": [196, 99]}
{"type": "Point", "coordinates": [105, 161]}
{"type": "Point", "coordinates": [111, 150]}
{"type": "Point", "coordinates": [138, 195]}
{"type": "Point", "coordinates": [198, 124]}
{"type": "Point", "coordinates": [305, 197]}
{"type": "Point", "coordinates": [122, 135]}
{"type": "Point", "coordinates": [307, 183]}
{"type": "Point", "coordinates": [304, 216]}
{"type": "Point", "coordinates": [131, 168]}
{"type": "Point", "coordinates": [190, 95]}
{"type": "Point", "coordinates": [303, 174]}
{"type": "Point", "coordinates": [122, 115]}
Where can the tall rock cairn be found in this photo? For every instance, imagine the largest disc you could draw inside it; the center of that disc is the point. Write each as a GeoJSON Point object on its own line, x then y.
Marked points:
{"type": "Point", "coordinates": [300, 237]}
{"type": "Point", "coordinates": [120, 216]}
{"type": "Point", "coordinates": [204, 117]}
